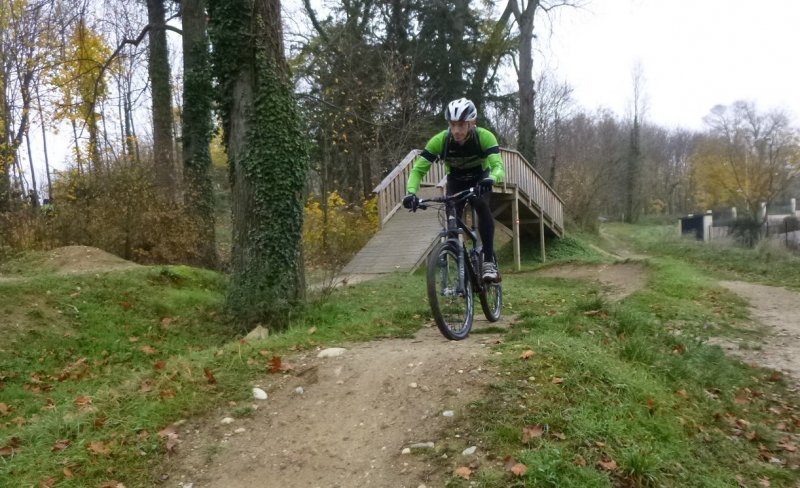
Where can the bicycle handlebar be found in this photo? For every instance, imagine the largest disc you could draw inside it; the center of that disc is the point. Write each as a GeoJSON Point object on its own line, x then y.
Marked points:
{"type": "Point", "coordinates": [456, 197]}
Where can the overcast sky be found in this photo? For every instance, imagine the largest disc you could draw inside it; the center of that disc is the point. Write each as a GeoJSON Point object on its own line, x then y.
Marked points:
{"type": "Point", "coordinates": [694, 53]}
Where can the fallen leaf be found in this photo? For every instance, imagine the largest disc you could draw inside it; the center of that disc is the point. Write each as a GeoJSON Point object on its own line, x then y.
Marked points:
{"type": "Point", "coordinates": [682, 393]}
{"type": "Point", "coordinates": [509, 462]}
{"type": "Point", "coordinates": [557, 380]}
{"type": "Point", "coordinates": [168, 431]}
{"type": "Point", "coordinates": [607, 465]}
{"type": "Point", "coordinates": [741, 400]}
{"type": "Point", "coordinates": [125, 305]}
{"type": "Point", "coordinates": [560, 436]}
{"type": "Point", "coordinates": [264, 352]}
{"type": "Point", "coordinates": [148, 350]}
{"type": "Point", "coordinates": [47, 483]}
{"type": "Point", "coordinates": [111, 484]}
{"type": "Point", "coordinates": [209, 376]}
{"type": "Point", "coordinates": [165, 321]}
{"type": "Point", "coordinates": [275, 364]}
{"type": "Point", "coordinates": [5, 409]}
{"type": "Point", "coordinates": [99, 447]}
{"type": "Point", "coordinates": [527, 354]}
{"type": "Point", "coordinates": [167, 394]}
{"type": "Point", "coordinates": [146, 386]}
{"type": "Point", "coordinates": [13, 445]}
{"type": "Point", "coordinates": [531, 432]}
{"type": "Point", "coordinates": [600, 444]}
{"type": "Point", "coordinates": [312, 330]}
{"type": "Point", "coordinates": [159, 364]}
{"type": "Point", "coordinates": [775, 376]}
{"type": "Point", "coordinates": [463, 472]}
{"type": "Point", "coordinates": [764, 482]}
{"type": "Point", "coordinates": [519, 469]}
{"type": "Point", "coordinates": [171, 444]}
{"type": "Point", "coordinates": [751, 435]}
{"type": "Point", "coordinates": [679, 349]}
{"type": "Point", "coordinates": [61, 445]}
{"type": "Point", "coordinates": [788, 446]}
{"type": "Point", "coordinates": [579, 460]}
{"type": "Point", "coordinates": [133, 339]}
{"type": "Point", "coordinates": [68, 473]}
{"type": "Point", "coordinates": [651, 404]}
{"type": "Point", "coordinates": [100, 422]}
{"type": "Point", "coordinates": [83, 401]}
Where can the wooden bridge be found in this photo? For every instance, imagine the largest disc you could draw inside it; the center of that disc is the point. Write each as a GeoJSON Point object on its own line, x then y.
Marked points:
{"type": "Point", "coordinates": [524, 206]}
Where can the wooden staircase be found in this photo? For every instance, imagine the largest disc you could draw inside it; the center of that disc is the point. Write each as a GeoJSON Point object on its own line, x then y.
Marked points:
{"type": "Point", "coordinates": [524, 206]}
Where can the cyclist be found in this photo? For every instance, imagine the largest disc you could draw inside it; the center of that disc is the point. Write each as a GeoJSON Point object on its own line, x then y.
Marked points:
{"type": "Point", "coordinates": [471, 157]}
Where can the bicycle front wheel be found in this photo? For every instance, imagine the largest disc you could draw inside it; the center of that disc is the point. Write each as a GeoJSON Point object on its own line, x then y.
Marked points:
{"type": "Point", "coordinates": [449, 292]}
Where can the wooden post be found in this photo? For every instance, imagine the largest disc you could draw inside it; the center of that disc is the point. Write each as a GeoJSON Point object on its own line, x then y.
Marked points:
{"type": "Point", "coordinates": [515, 229]}
{"type": "Point", "coordinates": [541, 234]}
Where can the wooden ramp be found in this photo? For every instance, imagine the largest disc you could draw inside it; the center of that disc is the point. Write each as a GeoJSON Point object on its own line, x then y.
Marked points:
{"type": "Point", "coordinates": [401, 245]}
{"type": "Point", "coordinates": [524, 206]}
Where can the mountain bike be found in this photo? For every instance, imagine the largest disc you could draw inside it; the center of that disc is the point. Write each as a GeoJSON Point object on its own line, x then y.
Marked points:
{"type": "Point", "coordinates": [454, 270]}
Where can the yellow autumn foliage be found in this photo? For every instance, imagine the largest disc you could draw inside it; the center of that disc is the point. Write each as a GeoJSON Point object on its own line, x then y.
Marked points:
{"type": "Point", "coordinates": [331, 240]}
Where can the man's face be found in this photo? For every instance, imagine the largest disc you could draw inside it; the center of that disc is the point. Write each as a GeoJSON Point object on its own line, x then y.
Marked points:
{"type": "Point", "coordinates": [459, 129]}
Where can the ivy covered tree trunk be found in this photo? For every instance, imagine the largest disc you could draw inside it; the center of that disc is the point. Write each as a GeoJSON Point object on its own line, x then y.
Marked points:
{"type": "Point", "coordinates": [165, 169]}
{"type": "Point", "coordinates": [268, 161]}
{"type": "Point", "coordinates": [198, 196]}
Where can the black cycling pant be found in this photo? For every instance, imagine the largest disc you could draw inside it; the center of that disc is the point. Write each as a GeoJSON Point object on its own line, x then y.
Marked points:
{"type": "Point", "coordinates": [482, 208]}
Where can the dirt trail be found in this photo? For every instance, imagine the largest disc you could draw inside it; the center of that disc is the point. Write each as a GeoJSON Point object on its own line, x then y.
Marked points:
{"type": "Point", "coordinates": [358, 412]}
{"type": "Point", "coordinates": [777, 309]}
{"type": "Point", "coordinates": [350, 424]}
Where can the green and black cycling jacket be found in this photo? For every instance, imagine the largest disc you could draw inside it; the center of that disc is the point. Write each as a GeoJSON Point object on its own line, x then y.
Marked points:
{"type": "Point", "coordinates": [471, 159]}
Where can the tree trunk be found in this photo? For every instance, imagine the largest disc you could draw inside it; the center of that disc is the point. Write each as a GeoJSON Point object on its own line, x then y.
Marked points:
{"type": "Point", "coordinates": [158, 66]}
{"type": "Point", "coordinates": [44, 144]}
{"type": "Point", "coordinates": [266, 149]}
{"type": "Point", "coordinates": [632, 174]}
{"type": "Point", "coordinates": [5, 143]}
{"type": "Point", "coordinates": [34, 192]}
{"type": "Point", "coordinates": [197, 96]}
{"type": "Point", "coordinates": [527, 92]}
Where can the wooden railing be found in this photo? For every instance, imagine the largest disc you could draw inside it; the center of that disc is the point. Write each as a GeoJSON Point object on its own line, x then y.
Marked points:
{"type": "Point", "coordinates": [393, 188]}
{"type": "Point", "coordinates": [532, 187]}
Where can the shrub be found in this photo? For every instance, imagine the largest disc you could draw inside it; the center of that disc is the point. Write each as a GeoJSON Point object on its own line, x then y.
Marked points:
{"type": "Point", "coordinates": [332, 234]}
{"type": "Point", "coordinates": [117, 210]}
{"type": "Point", "coordinates": [746, 231]}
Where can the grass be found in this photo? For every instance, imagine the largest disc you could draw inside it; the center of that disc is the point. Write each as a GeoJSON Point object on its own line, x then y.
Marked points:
{"type": "Point", "coordinates": [93, 367]}
{"type": "Point", "coordinates": [628, 394]}
{"type": "Point", "coordinates": [768, 263]}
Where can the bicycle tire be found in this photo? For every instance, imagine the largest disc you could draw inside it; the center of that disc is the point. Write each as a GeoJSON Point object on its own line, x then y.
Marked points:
{"type": "Point", "coordinates": [452, 308]}
{"type": "Point", "coordinates": [491, 298]}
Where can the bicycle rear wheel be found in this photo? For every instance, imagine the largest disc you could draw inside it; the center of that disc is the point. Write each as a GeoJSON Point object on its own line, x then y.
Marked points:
{"type": "Point", "coordinates": [492, 301]}
{"type": "Point", "coordinates": [450, 298]}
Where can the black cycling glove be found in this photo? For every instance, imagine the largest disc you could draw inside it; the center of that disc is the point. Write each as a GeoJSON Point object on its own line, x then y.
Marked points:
{"type": "Point", "coordinates": [411, 202]}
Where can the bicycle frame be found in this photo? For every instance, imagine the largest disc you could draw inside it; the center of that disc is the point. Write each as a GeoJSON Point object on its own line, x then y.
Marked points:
{"type": "Point", "coordinates": [456, 229]}
{"type": "Point", "coordinates": [453, 271]}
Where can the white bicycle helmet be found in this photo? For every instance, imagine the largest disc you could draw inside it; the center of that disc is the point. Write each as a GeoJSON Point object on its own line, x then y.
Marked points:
{"type": "Point", "coordinates": [461, 109]}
